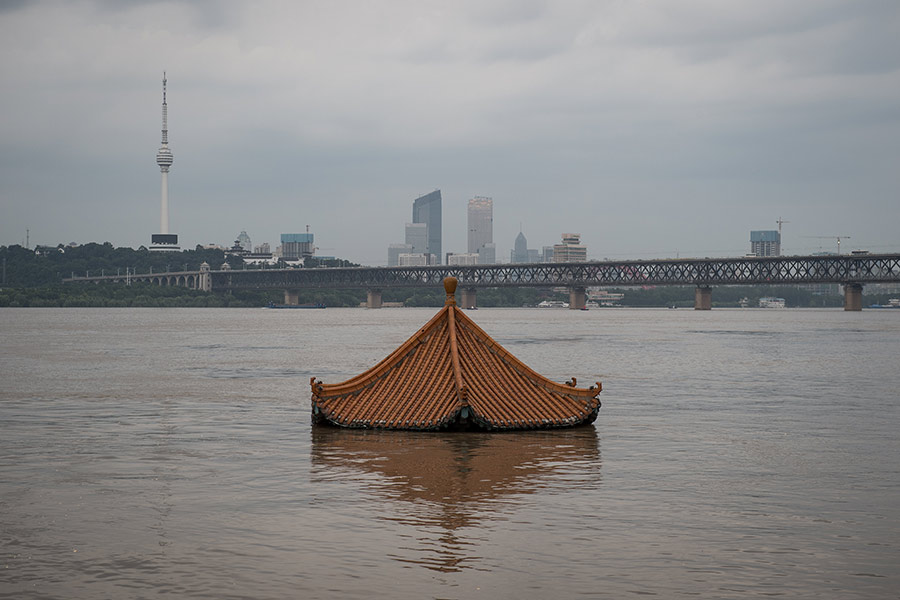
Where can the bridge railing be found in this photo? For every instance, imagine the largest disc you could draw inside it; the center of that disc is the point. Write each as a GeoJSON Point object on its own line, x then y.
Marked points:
{"type": "Point", "coordinates": [176, 278]}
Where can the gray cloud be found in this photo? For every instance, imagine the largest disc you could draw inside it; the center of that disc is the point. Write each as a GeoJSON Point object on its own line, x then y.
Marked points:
{"type": "Point", "coordinates": [11, 5]}
{"type": "Point", "coordinates": [649, 127]}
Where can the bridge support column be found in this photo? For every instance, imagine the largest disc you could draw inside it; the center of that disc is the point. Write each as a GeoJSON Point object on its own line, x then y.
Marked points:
{"type": "Point", "coordinates": [853, 296]}
{"type": "Point", "coordinates": [373, 299]}
{"type": "Point", "coordinates": [577, 298]}
{"type": "Point", "coordinates": [703, 298]}
{"type": "Point", "coordinates": [291, 297]}
{"type": "Point", "coordinates": [205, 280]}
{"type": "Point", "coordinates": [467, 298]}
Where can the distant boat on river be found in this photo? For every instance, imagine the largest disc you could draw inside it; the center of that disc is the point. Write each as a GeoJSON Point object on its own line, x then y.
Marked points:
{"type": "Point", "coordinates": [771, 302]}
{"type": "Point", "coordinates": [306, 305]}
{"type": "Point", "coordinates": [553, 304]}
{"type": "Point", "coordinates": [892, 303]}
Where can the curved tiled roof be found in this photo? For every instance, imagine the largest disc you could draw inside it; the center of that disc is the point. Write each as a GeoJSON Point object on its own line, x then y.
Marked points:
{"type": "Point", "coordinates": [451, 374]}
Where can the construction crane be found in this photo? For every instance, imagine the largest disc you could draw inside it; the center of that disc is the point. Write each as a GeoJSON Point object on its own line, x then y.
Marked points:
{"type": "Point", "coordinates": [831, 237]}
{"type": "Point", "coordinates": [780, 222]}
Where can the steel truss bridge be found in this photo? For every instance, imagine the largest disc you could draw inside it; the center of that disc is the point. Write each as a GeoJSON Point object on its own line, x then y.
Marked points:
{"type": "Point", "coordinates": [853, 271]}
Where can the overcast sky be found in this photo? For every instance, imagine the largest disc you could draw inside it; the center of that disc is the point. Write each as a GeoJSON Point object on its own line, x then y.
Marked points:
{"type": "Point", "coordinates": [653, 128]}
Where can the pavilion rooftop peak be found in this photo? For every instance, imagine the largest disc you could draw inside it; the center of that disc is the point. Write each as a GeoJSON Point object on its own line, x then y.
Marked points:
{"type": "Point", "coordinates": [452, 375]}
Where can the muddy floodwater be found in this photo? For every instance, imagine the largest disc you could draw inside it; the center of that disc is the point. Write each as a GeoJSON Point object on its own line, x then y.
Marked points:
{"type": "Point", "coordinates": [152, 453]}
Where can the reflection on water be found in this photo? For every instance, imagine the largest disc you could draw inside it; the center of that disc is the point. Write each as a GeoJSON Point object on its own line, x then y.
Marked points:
{"type": "Point", "coordinates": [445, 486]}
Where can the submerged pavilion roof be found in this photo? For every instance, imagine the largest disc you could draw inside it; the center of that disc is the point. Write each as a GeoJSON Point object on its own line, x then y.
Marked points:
{"type": "Point", "coordinates": [451, 374]}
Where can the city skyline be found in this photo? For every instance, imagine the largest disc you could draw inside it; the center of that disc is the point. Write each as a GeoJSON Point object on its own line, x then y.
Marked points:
{"type": "Point", "coordinates": [655, 130]}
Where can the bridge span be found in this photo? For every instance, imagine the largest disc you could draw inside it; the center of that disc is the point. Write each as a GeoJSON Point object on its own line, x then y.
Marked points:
{"type": "Point", "coordinates": [852, 271]}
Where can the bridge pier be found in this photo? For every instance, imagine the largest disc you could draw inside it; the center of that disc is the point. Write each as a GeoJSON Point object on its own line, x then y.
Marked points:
{"type": "Point", "coordinates": [467, 298]}
{"type": "Point", "coordinates": [291, 297]}
{"type": "Point", "coordinates": [853, 296]}
{"type": "Point", "coordinates": [373, 299]}
{"type": "Point", "coordinates": [703, 298]}
{"type": "Point", "coordinates": [577, 298]}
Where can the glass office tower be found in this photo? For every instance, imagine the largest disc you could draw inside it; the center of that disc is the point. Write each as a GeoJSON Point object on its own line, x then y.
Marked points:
{"type": "Point", "coordinates": [427, 209]}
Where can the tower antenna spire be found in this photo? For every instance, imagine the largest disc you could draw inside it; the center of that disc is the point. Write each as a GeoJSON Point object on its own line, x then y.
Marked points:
{"type": "Point", "coordinates": [165, 114]}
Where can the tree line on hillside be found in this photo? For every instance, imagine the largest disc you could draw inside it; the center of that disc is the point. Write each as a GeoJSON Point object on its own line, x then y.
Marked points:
{"type": "Point", "coordinates": [47, 265]}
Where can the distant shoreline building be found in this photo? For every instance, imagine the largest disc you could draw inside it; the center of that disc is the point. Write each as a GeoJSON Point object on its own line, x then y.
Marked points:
{"type": "Point", "coordinates": [765, 243]}
{"type": "Point", "coordinates": [413, 259]}
{"type": "Point", "coordinates": [297, 245]}
{"type": "Point", "coordinates": [417, 237]}
{"type": "Point", "coordinates": [519, 253]}
{"type": "Point", "coordinates": [394, 252]}
{"type": "Point", "coordinates": [570, 250]}
{"type": "Point", "coordinates": [164, 241]}
{"type": "Point", "coordinates": [487, 254]}
{"type": "Point", "coordinates": [462, 258]}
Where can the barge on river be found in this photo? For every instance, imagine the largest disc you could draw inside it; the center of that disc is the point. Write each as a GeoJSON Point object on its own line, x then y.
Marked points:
{"type": "Point", "coordinates": [452, 375]}
{"type": "Point", "coordinates": [307, 305]}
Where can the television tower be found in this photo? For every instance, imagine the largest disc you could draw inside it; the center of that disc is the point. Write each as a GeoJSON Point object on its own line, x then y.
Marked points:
{"type": "Point", "coordinates": [164, 240]}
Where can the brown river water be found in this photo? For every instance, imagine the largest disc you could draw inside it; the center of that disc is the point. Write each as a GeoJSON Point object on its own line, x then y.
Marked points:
{"type": "Point", "coordinates": [148, 453]}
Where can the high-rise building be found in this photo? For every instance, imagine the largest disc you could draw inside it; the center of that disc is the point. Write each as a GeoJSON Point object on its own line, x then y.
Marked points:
{"type": "Point", "coordinates": [765, 243]}
{"type": "Point", "coordinates": [263, 248]}
{"type": "Point", "coordinates": [394, 252]}
{"type": "Point", "coordinates": [297, 245]}
{"type": "Point", "coordinates": [487, 254]}
{"type": "Point", "coordinates": [164, 241]}
{"type": "Point", "coordinates": [427, 210]}
{"type": "Point", "coordinates": [570, 250]}
{"type": "Point", "coordinates": [481, 223]}
{"type": "Point", "coordinates": [417, 237]}
{"type": "Point", "coordinates": [520, 249]}
{"type": "Point", "coordinates": [243, 241]}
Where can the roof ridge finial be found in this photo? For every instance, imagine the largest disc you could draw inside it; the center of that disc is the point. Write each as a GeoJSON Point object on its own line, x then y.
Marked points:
{"type": "Point", "coordinates": [450, 309]}
{"type": "Point", "coordinates": [450, 288]}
